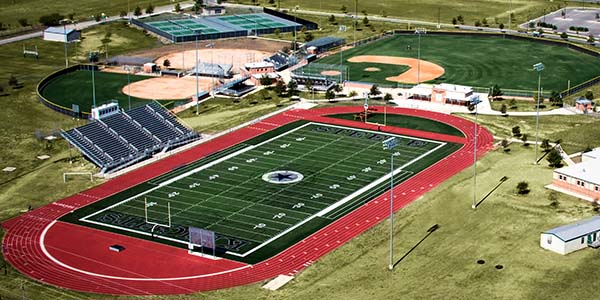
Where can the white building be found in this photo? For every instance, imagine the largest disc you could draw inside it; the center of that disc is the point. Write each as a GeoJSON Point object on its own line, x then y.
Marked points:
{"type": "Point", "coordinates": [57, 34]}
{"type": "Point", "coordinates": [572, 237]}
{"type": "Point", "coordinates": [581, 180]}
{"type": "Point", "coordinates": [443, 93]}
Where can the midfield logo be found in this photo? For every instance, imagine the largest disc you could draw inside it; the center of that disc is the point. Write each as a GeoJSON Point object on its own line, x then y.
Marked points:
{"type": "Point", "coordinates": [282, 177]}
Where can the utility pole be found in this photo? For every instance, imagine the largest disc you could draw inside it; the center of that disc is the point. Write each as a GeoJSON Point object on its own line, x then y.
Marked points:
{"type": "Point", "coordinates": [419, 31]}
{"type": "Point", "coordinates": [197, 90]}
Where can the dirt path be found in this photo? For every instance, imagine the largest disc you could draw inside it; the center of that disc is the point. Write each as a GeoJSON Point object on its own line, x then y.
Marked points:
{"type": "Point", "coordinates": [429, 70]}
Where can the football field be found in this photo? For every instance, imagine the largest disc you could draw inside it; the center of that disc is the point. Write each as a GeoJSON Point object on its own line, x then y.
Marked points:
{"type": "Point", "coordinates": [265, 194]}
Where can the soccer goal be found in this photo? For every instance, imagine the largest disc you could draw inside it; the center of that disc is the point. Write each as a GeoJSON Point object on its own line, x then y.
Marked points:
{"type": "Point", "coordinates": [66, 175]}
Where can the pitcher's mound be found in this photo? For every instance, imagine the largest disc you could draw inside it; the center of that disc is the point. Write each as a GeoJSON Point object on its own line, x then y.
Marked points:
{"type": "Point", "coordinates": [330, 73]}
{"type": "Point", "coordinates": [372, 69]}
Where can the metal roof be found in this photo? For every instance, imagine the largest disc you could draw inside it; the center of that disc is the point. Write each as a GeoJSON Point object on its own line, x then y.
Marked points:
{"type": "Point", "coordinates": [59, 30]}
{"type": "Point", "coordinates": [576, 230]}
{"type": "Point", "coordinates": [324, 41]}
{"type": "Point", "coordinates": [588, 171]}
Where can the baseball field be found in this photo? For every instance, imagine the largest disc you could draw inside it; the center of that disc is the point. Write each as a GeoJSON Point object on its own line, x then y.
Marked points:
{"type": "Point", "coordinates": [473, 60]}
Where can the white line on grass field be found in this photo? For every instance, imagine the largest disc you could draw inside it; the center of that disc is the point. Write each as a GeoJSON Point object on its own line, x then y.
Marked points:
{"type": "Point", "coordinates": [321, 213]}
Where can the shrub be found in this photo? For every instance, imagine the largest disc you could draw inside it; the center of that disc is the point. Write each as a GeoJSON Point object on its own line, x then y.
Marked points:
{"type": "Point", "coordinates": [51, 19]}
{"type": "Point", "coordinates": [523, 188]}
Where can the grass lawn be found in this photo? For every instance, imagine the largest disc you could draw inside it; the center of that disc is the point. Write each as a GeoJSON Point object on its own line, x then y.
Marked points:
{"type": "Point", "coordinates": [520, 105]}
{"type": "Point", "coordinates": [13, 10]}
{"type": "Point", "coordinates": [496, 11]}
{"type": "Point", "coordinates": [480, 61]}
{"type": "Point", "coordinates": [576, 132]}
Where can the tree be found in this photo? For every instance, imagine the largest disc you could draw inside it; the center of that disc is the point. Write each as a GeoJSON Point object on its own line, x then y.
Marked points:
{"type": "Point", "coordinates": [454, 21]}
{"type": "Point", "coordinates": [309, 85]}
{"type": "Point", "coordinates": [51, 19]}
{"type": "Point", "coordinates": [292, 87]}
{"type": "Point", "coordinates": [505, 144]}
{"type": "Point", "coordinates": [477, 23]}
{"type": "Point", "coordinates": [23, 22]}
{"type": "Point", "coordinates": [105, 41]}
{"type": "Point", "coordinates": [277, 32]}
{"type": "Point", "coordinates": [501, 26]}
{"type": "Point", "coordinates": [352, 94]}
{"type": "Point", "coordinates": [365, 21]}
{"type": "Point", "coordinates": [308, 36]}
{"type": "Point", "coordinates": [13, 81]}
{"type": "Point", "coordinates": [271, 2]}
{"type": "Point", "coordinates": [97, 17]}
{"type": "Point", "coordinates": [198, 5]}
{"type": "Point", "coordinates": [374, 90]}
{"type": "Point", "coordinates": [503, 108]}
{"type": "Point", "coordinates": [555, 98]}
{"type": "Point", "coordinates": [591, 39]}
{"type": "Point", "coordinates": [387, 97]}
{"type": "Point", "coordinates": [338, 88]}
{"type": "Point", "coordinates": [166, 63]}
{"type": "Point", "coordinates": [344, 9]}
{"type": "Point", "coordinates": [331, 19]}
{"type": "Point", "coordinates": [523, 188]}
{"type": "Point", "coordinates": [516, 131]}
{"type": "Point", "coordinates": [589, 95]}
{"type": "Point", "coordinates": [329, 95]}
{"type": "Point", "coordinates": [460, 19]}
{"type": "Point", "coordinates": [266, 80]}
{"type": "Point", "coordinates": [564, 35]}
{"type": "Point", "coordinates": [150, 8]}
{"type": "Point", "coordinates": [496, 92]}
{"type": "Point", "coordinates": [524, 139]}
{"type": "Point", "coordinates": [554, 159]}
{"type": "Point", "coordinates": [177, 7]}
{"type": "Point", "coordinates": [280, 87]}
{"type": "Point", "coordinates": [484, 22]}
{"type": "Point", "coordinates": [553, 198]}
{"type": "Point", "coordinates": [137, 11]}
{"type": "Point", "coordinates": [546, 145]}
{"type": "Point", "coordinates": [122, 14]}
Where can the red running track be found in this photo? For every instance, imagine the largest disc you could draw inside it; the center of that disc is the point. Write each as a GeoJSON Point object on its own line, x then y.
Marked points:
{"type": "Point", "coordinates": [76, 257]}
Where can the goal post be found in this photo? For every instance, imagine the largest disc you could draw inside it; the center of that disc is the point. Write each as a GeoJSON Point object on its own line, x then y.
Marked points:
{"type": "Point", "coordinates": [154, 216]}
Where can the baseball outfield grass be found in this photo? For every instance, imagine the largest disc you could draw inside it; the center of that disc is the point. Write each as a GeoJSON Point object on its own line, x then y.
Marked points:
{"type": "Point", "coordinates": [480, 61]}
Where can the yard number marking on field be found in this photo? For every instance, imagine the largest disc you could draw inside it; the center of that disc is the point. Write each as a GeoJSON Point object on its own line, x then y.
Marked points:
{"type": "Point", "coordinates": [298, 205]}
{"type": "Point", "coordinates": [267, 153]}
{"type": "Point", "coordinates": [213, 177]}
{"type": "Point", "coordinates": [173, 194]}
{"type": "Point", "coordinates": [334, 186]}
{"type": "Point", "coordinates": [279, 216]}
{"type": "Point", "coordinates": [351, 177]}
{"type": "Point", "coordinates": [316, 196]}
{"type": "Point", "coordinates": [260, 225]}
{"type": "Point", "coordinates": [233, 168]}
{"type": "Point", "coordinates": [194, 185]}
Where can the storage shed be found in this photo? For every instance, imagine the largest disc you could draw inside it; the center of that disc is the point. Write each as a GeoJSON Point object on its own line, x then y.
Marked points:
{"type": "Point", "coordinates": [569, 238]}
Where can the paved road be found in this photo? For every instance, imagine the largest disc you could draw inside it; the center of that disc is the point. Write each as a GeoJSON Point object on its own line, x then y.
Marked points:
{"type": "Point", "coordinates": [86, 24]}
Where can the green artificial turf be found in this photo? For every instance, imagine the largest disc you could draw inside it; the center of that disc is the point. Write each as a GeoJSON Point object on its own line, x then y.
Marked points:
{"type": "Point", "coordinates": [406, 121]}
{"type": "Point", "coordinates": [480, 61]}
{"type": "Point", "coordinates": [231, 197]}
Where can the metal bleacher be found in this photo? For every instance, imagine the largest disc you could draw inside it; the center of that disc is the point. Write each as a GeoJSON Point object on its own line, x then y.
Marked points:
{"type": "Point", "coordinates": [121, 139]}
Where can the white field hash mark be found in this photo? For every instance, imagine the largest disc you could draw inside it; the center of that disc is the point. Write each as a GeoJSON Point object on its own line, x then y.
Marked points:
{"type": "Point", "coordinates": [262, 225]}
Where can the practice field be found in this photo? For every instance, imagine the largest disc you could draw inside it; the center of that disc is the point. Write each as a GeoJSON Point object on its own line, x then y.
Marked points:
{"type": "Point", "coordinates": [76, 88]}
{"type": "Point", "coordinates": [479, 61]}
{"type": "Point", "coordinates": [263, 195]}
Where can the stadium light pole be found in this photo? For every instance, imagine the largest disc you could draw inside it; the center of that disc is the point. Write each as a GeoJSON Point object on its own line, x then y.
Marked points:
{"type": "Point", "coordinates": [419, 31]}
{"type": "Point", "coordinates": [539, 67]}
{"type": "Point", "coordinates": [390, 144]}
{"type": "Point", "coordinates": [64, 23]}
{"type": "Point", "coordinates": [212, 88]}
{"type": "Point", "coordinates": [509, 14]}
{"type": "Point", "coordinates": [128, 87]}
{"type": "Point", "coordinates": [197, 89]}
{"type": "Point", "coordinates": [474, 205]}
{"type": "Point", "coordinates": [93, 57]}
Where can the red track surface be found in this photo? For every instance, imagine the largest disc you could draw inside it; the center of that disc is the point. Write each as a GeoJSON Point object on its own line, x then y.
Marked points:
{"type": "Point", "coordinates": [82, 261]}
